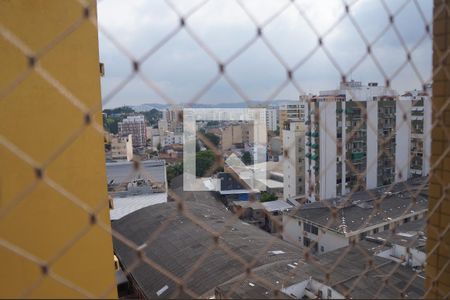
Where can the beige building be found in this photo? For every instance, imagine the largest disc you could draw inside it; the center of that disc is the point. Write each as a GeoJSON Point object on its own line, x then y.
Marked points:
{"type": "Point", "coordinates": [122, 148]}
{"type": "Point", "coordinates": [291, 112]}
{"type": "Point", "coordinates": [226, 138]}
{"type": "Point", "coordinates": [236, 134]}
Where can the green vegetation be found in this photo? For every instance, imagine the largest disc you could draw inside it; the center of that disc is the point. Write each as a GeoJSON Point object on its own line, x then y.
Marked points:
{"type": "Point", "coordinates": [212, 123]}
{"type": "Point", "coordinates": [119, 111]}
{"type": "Point", "coordinates": [173, 171]}
{"type": "Point", "coordinates": [247, 158]}
{"type": "Point", "coordinates": [113, 116]}
{"type": "Point", "coordinates": [204, 161]}
{"type": "Point", "coordinates": [266, 197]}
{"type": "Point", "coordinates": [277, 132]}
{"type": "Point", "coordinates": [152, 116]}
{"type": "Point", "coordinates": [214, 139]}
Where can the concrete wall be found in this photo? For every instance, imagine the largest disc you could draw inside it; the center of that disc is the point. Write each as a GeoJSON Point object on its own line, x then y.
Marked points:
{"type": "Point", "coordinates": [293, 233]}
{"type": "Point", "coordinates": [328, 150]}
{"type": "Point", "coordinates": [372, 144]}
{"type": "Point", "coordinates": [403, 140]}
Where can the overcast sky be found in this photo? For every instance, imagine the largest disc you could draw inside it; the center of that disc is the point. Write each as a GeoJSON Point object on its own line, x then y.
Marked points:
{"type": "Point", "coordinates": [181, 67]}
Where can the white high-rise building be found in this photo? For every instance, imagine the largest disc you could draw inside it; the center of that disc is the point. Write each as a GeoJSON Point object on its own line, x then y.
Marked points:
{"type": "Point", "coordinates": [354, 141]}
{"type": "Point", "coordinates": [294, 159]}
{"type": "Point", "coordinates": [420, 131]}
{"type": "Point", "coordinates": [272, 119]}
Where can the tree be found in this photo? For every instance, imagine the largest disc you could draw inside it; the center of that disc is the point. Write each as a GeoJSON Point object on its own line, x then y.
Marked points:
{"type": "Point", "coordinates": [173, 171]}
{"type": "Point", "coordinates": [204, 161]}
{"type": "Point", "coordinates": [247, 158]}
{"type": "Point", "coordinates": [211, 137]}
{"type": "Point", "coordinates": [266, 197]}
{"type": "Point", "coordinates": [152, 116]}
{"type": "Point", "coordinates": [277, 132]}
{"type": "Point", "coordinates": [158, 147]}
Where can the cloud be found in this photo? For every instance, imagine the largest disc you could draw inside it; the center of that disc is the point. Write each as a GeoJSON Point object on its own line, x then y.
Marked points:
{"type": "Point", "coordinates": [181, 67]}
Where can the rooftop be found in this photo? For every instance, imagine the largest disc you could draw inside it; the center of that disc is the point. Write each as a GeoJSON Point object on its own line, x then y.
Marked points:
{"type": "Point", "coordinates": [411, 234]}
{"type": "Point", "coordinates": [182, 242]}
{"type": "Point", "coordinates": [126, 205]}
{"type": "Point", "coordinates": [124, 172]}
{"type": "Point", "coordinates": [360, 209]}
{"type": "Point", "coordinates": [350, 273]}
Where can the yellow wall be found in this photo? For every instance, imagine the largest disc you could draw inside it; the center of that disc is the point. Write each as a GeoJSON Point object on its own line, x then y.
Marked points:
{"type": "Point", "coordinates": [438, 233]}
{"type": "Point", "coordinates": [38, 222]}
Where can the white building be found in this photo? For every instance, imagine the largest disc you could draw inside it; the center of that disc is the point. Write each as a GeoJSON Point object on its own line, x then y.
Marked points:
{"type": "Point", "coordinates": [134, 125]}
{"type": "Point", "coordinates": [356, 140]}
{"type": "Point", "coordinates": [272, 119]}
{"type": "Point", "coordinates": [170, 138]}
{"type": "Point", "coordinates": [315, 226]}
{"type": "Point", "coordinates": [419, 104]}
{"type": "Point", "coordinates": [122, 147]}
{"type": "Point", "coordinates": [294, 159]}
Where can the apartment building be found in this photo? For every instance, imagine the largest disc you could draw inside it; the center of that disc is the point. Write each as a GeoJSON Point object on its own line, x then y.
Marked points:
{"type": "Point", "coordinates": [292, 112]}
{"type": "Point", "coordinates": [173, 118]}
{"type": "Point", "coordinates": [356, 139]}
{"type": "Point", "coordinates": [317, 227]}
{"type": "Point", "coordinates": [122, 147]}
{"type": "Point", "coordinates": [134, 125]}
{"type": "Point", "coordinates": [272, 118]}
{"type": "Point", "coordinates": [237, 134]}
{"type": "Point", "coordinates": [171, 138]}
{"type": "Point", "coordinates": [294, 159]}
{"type": "Point", "coordinates": [420, 133]}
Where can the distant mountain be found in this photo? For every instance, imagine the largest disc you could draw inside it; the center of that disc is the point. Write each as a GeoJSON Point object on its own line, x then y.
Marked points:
{"type": "Point", "coordinates": [150, 106]}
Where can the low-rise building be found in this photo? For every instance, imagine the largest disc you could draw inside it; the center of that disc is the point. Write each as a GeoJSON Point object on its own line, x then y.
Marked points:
{"type": "Point", "coordinates": [122, 147]}
{"type": "Point", "coordinates": [332, 224]}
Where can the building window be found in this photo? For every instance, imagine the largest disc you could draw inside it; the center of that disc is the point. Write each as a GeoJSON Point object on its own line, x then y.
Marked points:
{"type": "Point", "coordinates": [322, 249]}
{"type": "Point", "coordinates": [362, 235]}
{"type": "Point", "coordinates": [314, 230]}
{"type": "Point", "coordinates": [307, 227]}
{"type": "Point", "coordinates": [416, 217]}
{"type": "Point", "coordinates": [329, 294]}
{"type": "Point", "coordinates": [406, 220]}
{"type": "Point", "coordinates": [306, 242]}
{"type": "Point", "coordinates": [375, 230]}
{"type": "Point", "coordinates": [386, 227]}
{"type": "Point", "coordinates": [299, 239]}
{"type": "Point", "coordinates": [300, 223]}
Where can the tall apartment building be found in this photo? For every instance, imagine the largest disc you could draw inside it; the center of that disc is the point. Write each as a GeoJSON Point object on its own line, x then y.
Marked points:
{"type": "Point", "coordinates": [173, 117]}
{"type": "Point", "coordinates": [294, 159]}
{"type": "Point", "coordinates": [272, 119]}
{"type": "Point", "coordinates": [420, 134]}
{"type": "Point", "coordinates": [122, 147]}
{"type": "Point", "coordinates": [356, 140]}
{"type": "Point", "coordinates": [134, 125]}
{"type": "Point", "coordinates": [291, 112]}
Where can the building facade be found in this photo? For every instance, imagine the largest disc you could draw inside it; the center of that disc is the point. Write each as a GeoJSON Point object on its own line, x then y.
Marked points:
{"type": "Point", "coordinates": [294, 159]}
{"type": "Point", "coordinates": [356, 140]}
{"type": "Point", "coordinates": [122, 147]}
{"type": "Point", "coordinates": [272, 118]}
{"type": "Point", "coordinates": [314, 225]}
{"type": "Point", "coordinates": [419, 104]}
{"type": "Point", "coordinates": [134, 125]}
{"type": "Point", "coordinates": [289, 112]}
